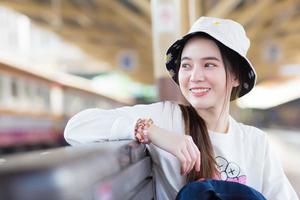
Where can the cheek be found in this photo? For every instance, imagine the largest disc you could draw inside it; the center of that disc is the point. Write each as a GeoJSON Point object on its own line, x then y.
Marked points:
{"type": "Point", "coordinates": [183, 83]}
{"type": "Point", "coordinates": [182, 78]}
{"type": "Point", "coordinates": [220, 78]}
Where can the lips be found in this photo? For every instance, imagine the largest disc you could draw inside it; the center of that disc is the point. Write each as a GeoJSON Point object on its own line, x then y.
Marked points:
{"type": "Point", "coordinates": [199, 91]}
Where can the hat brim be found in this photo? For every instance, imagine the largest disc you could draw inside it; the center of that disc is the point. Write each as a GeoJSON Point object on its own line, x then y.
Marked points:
{"type": "Point", "coordinates": [174, 51]}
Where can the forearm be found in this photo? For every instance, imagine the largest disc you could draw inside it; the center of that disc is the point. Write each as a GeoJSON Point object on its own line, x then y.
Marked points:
{"type": "Point", "coordinates": [159, 136]}
{"type": "Point", "coordinates": [181, 146]}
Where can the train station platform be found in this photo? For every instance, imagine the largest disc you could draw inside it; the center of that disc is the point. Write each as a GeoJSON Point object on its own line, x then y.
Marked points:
{"type": "Point", "coordinates": [287, 146]}
{"type": "Point", "coordinates": [107, 170]}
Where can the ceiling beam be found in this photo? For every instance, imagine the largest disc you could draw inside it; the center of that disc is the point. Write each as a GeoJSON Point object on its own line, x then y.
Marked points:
{"type": "Point", "coordinates": [134, 19]}
{"type": "Point", "coordinates": [144, 6]}
{"type": "Point", "coordinates": [223, 8]}
{"type": "Point", "coordinates": [249, 12]}
{"type": "Point", "coordinates": [39, 10]}
{"type": "Point", "coordinates": [291, 25]}
{"type": "Point", "coordinates": [282, 12]}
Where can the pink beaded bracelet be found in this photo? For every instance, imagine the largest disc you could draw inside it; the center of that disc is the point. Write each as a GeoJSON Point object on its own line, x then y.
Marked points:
{"type": "Point", "coordinates": [141, 130]}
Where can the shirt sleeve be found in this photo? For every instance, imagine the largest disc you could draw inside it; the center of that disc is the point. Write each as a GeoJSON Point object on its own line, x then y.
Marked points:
{"type": "Point", "coordinates": [276, 186]}
{"type": "Point", "coordinates": [94, 125]}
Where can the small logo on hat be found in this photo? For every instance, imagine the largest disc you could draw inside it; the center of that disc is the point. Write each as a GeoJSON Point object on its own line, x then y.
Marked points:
{"type": "Point", "coordinates": [168, 58]}
{"type": "Point", "coordinates": [246, 86]}
{"type": "Point", "coordinates": [251, 74]}
{"type": "Point", "coordinates": [217, 23]}
{"type": "Point", "coordinates": [172, 73]}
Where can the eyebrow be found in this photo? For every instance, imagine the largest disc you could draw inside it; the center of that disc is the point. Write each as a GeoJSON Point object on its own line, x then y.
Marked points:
{"type": "Point", "coordinates": [205, 58]}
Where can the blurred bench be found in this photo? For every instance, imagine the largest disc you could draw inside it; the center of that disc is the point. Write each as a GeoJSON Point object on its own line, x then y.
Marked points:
{"type": "Point", "coordinates": [108, 170]}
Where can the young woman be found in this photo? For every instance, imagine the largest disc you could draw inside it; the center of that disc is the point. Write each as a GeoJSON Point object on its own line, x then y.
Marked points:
{"type": "Point", "coordinates": [201, 139]}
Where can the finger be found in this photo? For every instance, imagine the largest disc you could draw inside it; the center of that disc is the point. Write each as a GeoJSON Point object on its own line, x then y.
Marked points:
{"type": "Point", "coordinates": [198, 160]}
{"type": "Point", "coordinates": [188, 160]}
{"type": "Point", "coordinates": [193, 154]}
{"type": "Point", "coordinates": [182, 160]}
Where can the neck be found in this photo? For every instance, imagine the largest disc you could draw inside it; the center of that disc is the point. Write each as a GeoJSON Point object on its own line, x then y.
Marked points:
{"type": "Point", "coordinates": [216, 119]}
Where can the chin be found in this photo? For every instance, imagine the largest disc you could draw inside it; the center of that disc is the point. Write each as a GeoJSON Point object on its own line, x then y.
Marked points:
{"type": "Point", "coordinates": [200, 105]}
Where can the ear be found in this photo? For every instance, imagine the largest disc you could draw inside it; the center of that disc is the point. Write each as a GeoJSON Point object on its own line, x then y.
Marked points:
{"type": "Point", "coordinates": [235, 81]}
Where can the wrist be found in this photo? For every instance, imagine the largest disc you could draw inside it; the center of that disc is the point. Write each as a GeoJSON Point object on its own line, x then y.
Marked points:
{"type": "Point", "coordinates": [141, 130]}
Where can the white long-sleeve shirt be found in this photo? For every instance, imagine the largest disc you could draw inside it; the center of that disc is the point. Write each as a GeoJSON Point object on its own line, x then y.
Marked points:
{"type": "Point", "coordinates": [243, 154]}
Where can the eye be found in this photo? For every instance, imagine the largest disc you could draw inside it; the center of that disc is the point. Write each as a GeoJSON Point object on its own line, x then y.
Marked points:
{"type": "Point", "coordinates": [185, 66]}
{"type": "Point", "coordinates": [210, 65]}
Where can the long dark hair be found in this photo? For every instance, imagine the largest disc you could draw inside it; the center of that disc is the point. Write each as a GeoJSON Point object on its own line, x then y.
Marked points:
{"type": "Point", "coordinates": [195, 126]}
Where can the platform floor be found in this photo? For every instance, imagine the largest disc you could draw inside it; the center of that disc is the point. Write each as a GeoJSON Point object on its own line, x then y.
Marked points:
{"type": "Point", "coordinates": [287, 146]}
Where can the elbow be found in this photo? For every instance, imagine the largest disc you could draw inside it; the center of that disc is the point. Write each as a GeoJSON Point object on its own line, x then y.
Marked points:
{"type": "Point", "coordinates": [69, 133]}
{"type": "Point", "coordinates": [75, 129]}
{"type": "Point", "coordinates": [85, 127]}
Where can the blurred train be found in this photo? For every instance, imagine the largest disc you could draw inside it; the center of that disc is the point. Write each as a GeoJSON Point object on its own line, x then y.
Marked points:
{"type": "Point", "coordinates": [35, 106]}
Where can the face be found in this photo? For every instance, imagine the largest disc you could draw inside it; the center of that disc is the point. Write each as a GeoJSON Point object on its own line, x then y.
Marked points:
{"type": "Point", "coordinates": [202, 76]}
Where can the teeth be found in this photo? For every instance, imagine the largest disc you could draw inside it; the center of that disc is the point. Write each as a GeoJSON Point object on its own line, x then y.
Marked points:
{"type": "Point", "coordinates": [200, 90]}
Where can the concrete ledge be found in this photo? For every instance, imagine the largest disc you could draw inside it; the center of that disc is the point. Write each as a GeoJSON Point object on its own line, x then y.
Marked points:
{"type": "Point", "coordinates": [108, 170]}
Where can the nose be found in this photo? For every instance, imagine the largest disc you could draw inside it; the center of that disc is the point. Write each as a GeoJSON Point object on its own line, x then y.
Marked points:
{"type": "Point", "coordinates": [197, 74]}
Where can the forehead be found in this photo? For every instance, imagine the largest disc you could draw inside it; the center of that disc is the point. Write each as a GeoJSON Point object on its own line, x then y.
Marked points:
{"type": "Point", "coordinates": [200, 47]}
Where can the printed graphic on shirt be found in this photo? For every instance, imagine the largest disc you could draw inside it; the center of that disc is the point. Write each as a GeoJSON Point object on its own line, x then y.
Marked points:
{"type": "Point", "coordinates": [230, 171]}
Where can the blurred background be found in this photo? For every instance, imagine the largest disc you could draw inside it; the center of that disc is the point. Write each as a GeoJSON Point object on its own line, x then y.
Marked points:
{"type": "Point", "coordinates": [58, 57]}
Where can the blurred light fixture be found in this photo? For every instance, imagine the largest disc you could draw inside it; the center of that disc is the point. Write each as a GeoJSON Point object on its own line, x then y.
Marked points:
{"type": "Point", "coordinates": [272, 93]}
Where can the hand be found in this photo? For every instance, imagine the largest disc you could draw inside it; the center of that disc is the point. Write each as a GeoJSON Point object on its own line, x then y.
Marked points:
{"type": "Point", "coordinates": [181, 146]}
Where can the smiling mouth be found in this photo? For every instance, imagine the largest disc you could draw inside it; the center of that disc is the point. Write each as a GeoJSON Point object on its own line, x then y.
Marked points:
{"type": "Point", "coordinates": [196, 90]}
{"type": "Point", "coordinates": [199, 91]}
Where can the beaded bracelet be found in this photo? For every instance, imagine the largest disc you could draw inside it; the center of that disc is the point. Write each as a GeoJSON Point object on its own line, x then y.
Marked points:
{"type": "Point", "coordinates": [141, 130]}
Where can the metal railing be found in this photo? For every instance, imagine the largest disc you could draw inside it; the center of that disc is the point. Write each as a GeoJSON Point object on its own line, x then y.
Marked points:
{"type": "Point", "coordinates": [101, 171]}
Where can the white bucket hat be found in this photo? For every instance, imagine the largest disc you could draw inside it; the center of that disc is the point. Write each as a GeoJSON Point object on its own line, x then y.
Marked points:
{"type": "Point", "coordinates": [226, 31]}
